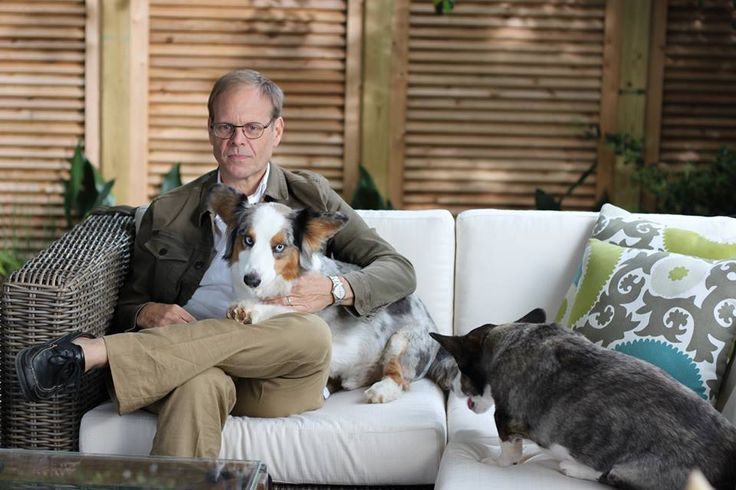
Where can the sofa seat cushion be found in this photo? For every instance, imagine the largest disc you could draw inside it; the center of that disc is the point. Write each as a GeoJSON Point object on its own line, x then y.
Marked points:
{"type": "Point", "coordinates": [346, 442]}
{"type": "Point", "coordinates": [473, 437]}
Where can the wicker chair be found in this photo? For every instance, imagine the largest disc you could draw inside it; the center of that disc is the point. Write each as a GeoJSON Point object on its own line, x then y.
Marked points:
{"type": "Point", "coordinates": [71, 285]}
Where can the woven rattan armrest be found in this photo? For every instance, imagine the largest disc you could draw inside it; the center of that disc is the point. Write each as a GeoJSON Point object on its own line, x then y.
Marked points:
{"type": "Point", "coordinates": [71, 285]}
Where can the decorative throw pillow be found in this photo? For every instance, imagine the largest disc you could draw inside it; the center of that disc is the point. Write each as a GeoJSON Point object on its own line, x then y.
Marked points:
{"type": "Point", "coordinates": [619, 227]}
{"type": "Point", "coordinates": [675, 311]}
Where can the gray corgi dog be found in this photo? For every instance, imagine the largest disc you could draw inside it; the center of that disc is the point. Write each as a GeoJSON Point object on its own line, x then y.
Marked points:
{"type": "Point", "coordinates": [605, 415]}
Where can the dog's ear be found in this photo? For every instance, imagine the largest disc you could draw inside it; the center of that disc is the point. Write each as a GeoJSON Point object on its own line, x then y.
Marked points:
{"type": "Point", "coordinates": [315, 228]}
{"type": "Point", "coordinates": [464, 347]}
{"type": "Point", "coordinates": [537, 315]}
{"type": "Point", "coordinates": [226, 201]}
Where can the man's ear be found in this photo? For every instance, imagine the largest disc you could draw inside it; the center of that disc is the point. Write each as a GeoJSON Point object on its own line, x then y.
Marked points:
{"type": "Point", "coordinates": [226, 201]}
{"type": "Point", "coordinates": [315, 228]}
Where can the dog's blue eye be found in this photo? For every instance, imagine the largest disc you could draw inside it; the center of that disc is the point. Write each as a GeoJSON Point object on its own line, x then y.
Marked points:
{"type": "Point", "coordinates": [248, 241]}
{"type": "Point", "coordinates": [279, 248]}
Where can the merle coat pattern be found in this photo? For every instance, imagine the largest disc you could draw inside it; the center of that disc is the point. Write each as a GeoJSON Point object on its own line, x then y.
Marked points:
{"type": "Point", "coordinates": [271, 244]}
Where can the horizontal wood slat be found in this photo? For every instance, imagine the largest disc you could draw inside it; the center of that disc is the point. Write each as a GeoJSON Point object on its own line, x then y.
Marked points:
{"type": "Point", "coordinates": [301, 45]}
{"type": "Point", "coordinates": [500, 96]}
{"type": "Point", "coordinates": [42, 90]}
{"type": "Point", "coordinates": [699, 92]}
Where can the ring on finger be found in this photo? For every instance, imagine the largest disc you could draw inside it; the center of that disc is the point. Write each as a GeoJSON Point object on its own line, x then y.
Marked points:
{"type": "Point", "coordinates": [288, 300]}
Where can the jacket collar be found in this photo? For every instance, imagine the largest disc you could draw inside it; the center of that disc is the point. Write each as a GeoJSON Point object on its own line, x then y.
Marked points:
{"type": "Point", "coordinates": [276, 189]}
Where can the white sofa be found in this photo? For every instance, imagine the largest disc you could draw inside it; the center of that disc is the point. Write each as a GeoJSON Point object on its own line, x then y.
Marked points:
{"type": "Point", "coordinates": [484, 266]}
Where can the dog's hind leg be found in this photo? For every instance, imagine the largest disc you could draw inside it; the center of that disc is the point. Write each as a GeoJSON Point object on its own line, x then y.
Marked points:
{"type": "Point", "coordinates": [393, 382]}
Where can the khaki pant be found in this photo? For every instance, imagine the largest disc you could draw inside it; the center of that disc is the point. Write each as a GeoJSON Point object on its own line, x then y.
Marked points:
{"type": "Point", "coordinates": [194, 375]}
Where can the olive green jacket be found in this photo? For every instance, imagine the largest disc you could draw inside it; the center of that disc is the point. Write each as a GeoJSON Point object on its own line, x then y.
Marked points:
{"type": "Point", "coordinates": [174, 246]}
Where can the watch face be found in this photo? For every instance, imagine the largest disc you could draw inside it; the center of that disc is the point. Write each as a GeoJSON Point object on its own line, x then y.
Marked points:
{"type": "Point", "coordinates": [338, 290]}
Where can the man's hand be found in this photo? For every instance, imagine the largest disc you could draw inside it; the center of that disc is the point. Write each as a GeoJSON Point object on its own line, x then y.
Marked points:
{"type": "Point", "coordinates": [311, 293]}
{"type": "Point", "coordinates": [160, 314]}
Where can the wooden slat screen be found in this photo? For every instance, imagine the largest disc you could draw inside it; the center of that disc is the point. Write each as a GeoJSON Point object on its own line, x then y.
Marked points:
{"type": "Point", "coordinates": [500, 94]}
{"type": "Point", "coordinates": [301, 45]}
{"type": "Point", "coordinates": [699, 93]}
{"type": "Point", "coordinates": [42, 100]}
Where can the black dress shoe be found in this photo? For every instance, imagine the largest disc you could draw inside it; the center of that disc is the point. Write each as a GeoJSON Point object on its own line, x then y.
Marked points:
{"type": "Point", "coordinates": [45, 369]}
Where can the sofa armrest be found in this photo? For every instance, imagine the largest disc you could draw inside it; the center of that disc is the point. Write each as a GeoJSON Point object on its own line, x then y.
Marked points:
{"type": "Point", "coordinates": [71, 285]}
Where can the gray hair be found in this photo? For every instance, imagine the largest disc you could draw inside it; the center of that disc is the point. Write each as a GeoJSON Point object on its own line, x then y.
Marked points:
{"type": "Point", "coordinates": [265, 86]}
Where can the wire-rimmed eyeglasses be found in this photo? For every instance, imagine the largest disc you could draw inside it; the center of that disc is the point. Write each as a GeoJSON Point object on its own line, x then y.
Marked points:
{"type": "Point", "coordinates": [251, 130]}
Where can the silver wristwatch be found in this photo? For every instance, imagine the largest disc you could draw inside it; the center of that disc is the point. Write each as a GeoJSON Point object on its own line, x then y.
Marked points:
{"type": "Point", "coordinates": [338, 290]}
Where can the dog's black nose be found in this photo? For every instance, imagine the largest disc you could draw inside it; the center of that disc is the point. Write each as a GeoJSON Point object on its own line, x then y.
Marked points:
{"type": "Point", "coordinates": [252, 280]}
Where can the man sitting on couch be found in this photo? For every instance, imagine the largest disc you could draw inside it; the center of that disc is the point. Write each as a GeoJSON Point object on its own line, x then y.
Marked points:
{"type": "Point", "coordinates": [177, 355]}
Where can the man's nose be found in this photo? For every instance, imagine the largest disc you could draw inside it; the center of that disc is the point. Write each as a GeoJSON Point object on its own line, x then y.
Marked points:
{"type": "Point", "coordinates": [238, 136]}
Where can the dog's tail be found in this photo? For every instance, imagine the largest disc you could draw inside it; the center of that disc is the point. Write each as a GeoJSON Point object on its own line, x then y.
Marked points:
{"type": "Point", "coordinates": [443, 370]}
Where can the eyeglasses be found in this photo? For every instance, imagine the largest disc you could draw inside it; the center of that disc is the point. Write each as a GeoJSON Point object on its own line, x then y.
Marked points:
{"type": "Point", "coordinates": [251, 130]}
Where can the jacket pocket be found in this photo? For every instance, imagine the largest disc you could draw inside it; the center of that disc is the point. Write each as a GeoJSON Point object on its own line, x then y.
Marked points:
{"type": "Point", "coordinates": [171, 260]}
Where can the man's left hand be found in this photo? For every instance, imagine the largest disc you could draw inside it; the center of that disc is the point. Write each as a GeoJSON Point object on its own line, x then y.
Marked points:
{"type": "Point", "coordinates": [311, 293]}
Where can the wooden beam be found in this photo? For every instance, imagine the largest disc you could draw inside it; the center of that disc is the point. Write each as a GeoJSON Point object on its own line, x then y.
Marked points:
{"type": "Point", "coordinates": [124, 112]}
{"type": "Point", "coordinates": [92, 82]}
{"type": "Point", "coordinates": [609, 95]}
{"type": "Point", "coordinates": [633, 74]}
{"type": "Point", "coordinates": [353, 83]}
{"type": "Point", "coordinates": [397, 115]}
{"type": "Point", "coordinates": [655, 89]}
{"type": "Point", "coordinates": [384, 92]}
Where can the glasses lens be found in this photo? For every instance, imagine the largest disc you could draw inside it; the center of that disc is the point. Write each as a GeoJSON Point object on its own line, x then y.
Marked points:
{"type": "Point", "coordinates": [223, 130]}
{"type": "Point", "coordinates": [253, 130]}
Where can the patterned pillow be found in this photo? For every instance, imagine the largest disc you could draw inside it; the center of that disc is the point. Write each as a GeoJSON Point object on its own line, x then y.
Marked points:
{"type": "Point", "coordinates": [619, 227]}
{"type": "Point", "coordinates": [674, 310]}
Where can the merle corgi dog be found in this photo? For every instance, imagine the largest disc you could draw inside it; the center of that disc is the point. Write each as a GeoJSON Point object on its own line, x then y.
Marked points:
{"type": "Point", "coordinates": [605, 415]}
{"type": "Point", "coordinates": [271, 244]}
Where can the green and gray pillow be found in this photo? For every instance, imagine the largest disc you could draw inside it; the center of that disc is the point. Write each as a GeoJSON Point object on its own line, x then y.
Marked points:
{"type": "Point", "coordinates": [662, 294]}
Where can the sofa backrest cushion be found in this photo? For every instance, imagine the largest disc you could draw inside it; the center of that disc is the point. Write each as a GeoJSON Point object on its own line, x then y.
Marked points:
{"type": "Point", "coordinates": [510, 262]}
{"type": "Point", "coordinates": [427, 239]}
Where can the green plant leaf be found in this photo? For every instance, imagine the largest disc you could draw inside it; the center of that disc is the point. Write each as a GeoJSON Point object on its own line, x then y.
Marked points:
{"type": "Point", "coordinates": [172, 179]}
{"type": "Point", "coordinates": [85, 189]}
{"type": "Point", "coordinates": [545, 201]}
{"type": "Point", "coordinates": [443, 6]}
{"type": "Point", "coordinates": [366, 195]}
{"type": "Point", "coordinates": [72, 187]}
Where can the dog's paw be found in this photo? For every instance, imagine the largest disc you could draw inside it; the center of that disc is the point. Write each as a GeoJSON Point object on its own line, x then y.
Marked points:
{"type": "Point", "coordinates": [239, 313]}
{"type": "Point", "coordinates": [511, 452]}
{"type": "Point", "coordinates": [383, 391]}
{"type": "Point", "coordinates": [573, 469]}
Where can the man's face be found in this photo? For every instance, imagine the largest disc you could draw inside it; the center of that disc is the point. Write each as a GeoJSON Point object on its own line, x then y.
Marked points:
{"type": "Point", "coordinates": [240, 159]}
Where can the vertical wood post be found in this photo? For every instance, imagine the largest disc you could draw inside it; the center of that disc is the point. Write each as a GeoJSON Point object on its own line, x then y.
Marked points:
{"type": "Point", "coordinates": [124, 104]}
{"type": "Point", "coordinates": [632, 97]}
{"type": "Point", "coordinates": [353, 85]}
{"type": "Point", "coordinates": [609, 96]}
{"type": "Point", "coordinates": [385, 61]}
{"type": "Point", "coordinates": [655, 89]}
{"type": "Point", "coordinates": [92, 82]}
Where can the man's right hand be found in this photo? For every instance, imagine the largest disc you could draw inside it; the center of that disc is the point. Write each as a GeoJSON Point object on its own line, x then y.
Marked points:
{"type": "Point", "coordinates": [160, 314]}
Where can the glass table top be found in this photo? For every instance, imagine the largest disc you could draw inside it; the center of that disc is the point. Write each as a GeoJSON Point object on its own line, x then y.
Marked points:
{"type": "Point", "coordinates": [23, 468]}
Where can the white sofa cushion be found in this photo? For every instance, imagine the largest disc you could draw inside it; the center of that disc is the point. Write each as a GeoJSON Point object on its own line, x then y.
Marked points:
{"type": "Point", "coordinates": [348, 441]}
{"type": "Point", "coordinates": [473, 437]}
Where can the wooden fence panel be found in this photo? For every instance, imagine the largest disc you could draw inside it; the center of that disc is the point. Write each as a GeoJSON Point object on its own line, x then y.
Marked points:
{"type": "Point", "coordinates": [301, 45]}
{"type": "Point", "coordinates": [698, 114]}
{"type": "Point", "coordinates": [500, 96]}
{"type": "Point", "coordinates": [42, 115]}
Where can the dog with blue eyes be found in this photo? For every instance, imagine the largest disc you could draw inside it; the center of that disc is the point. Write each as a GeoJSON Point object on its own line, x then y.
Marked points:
{"type": "Point", "coordinates": [270, 245]}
